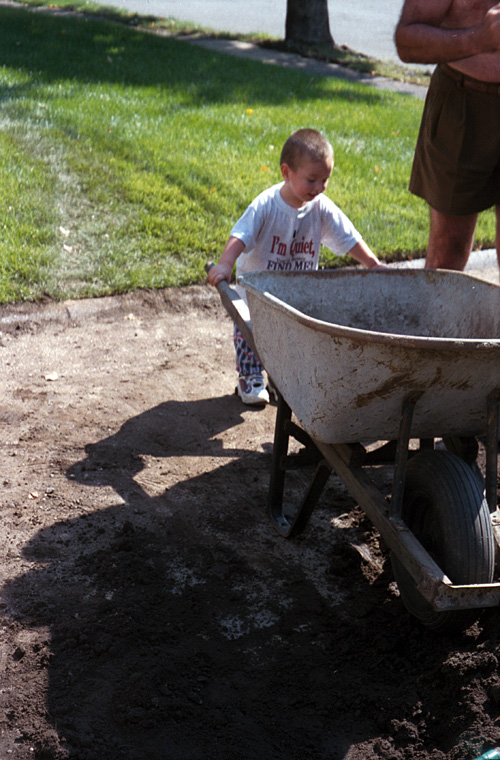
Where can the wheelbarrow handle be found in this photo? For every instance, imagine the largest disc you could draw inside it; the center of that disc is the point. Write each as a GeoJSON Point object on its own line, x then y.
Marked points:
{"type": "Point", "coordinates": [236, 308]}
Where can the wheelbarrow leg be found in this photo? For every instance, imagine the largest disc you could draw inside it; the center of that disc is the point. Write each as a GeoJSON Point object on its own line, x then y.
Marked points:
{"type": "Point", "coordinates": [279, 467]}
{"type": "Point", "coordinates": [402, 454]}
{"type": "Point", "coordinates": [492, 451]}
{"type": "Point", "coordinates": [280, 450]}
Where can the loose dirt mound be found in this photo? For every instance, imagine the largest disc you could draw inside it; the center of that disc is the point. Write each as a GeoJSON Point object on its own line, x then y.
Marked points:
{"type": "Point", "coordinates": [148, 608]}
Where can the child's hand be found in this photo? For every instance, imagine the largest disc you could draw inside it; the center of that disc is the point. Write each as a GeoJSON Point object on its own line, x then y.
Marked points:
{"type": "Point", "coordinates": [224, 269]}
{"type": "Point", "coordinates": [380, 266]}
{"type": "Point", "coordinates": [218, 273]}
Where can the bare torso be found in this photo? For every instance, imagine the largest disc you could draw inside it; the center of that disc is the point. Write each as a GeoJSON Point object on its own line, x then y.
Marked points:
{"type": "Point", "coordinates": [467, 13]}
{"type": "Point", "coordinates": [463, 33]}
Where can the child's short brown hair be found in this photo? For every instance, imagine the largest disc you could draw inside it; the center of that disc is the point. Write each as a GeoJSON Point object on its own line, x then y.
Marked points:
{"type": "Point", "coordinates": [305, 143]}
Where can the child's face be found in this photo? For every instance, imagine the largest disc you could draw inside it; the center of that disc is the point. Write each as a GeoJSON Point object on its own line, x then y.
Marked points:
{"type": "Point", "coordinates": [305, 182]}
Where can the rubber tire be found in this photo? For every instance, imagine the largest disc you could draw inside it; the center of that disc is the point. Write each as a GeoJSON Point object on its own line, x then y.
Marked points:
{"type": "Point", "coordinates": [444, 507]}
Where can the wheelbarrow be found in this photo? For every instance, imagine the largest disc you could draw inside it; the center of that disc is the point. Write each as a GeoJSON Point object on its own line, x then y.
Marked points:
{"type": "Point", "coordinates": [363, 363]}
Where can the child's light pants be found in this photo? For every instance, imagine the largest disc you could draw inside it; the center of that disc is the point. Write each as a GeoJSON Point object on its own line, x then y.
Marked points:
{"type": "Point", "coordinates": [246, 361]}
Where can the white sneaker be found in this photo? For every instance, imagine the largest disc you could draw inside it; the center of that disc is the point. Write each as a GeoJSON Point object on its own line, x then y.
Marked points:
{"type": "Point", "coordinates": [251, 390]}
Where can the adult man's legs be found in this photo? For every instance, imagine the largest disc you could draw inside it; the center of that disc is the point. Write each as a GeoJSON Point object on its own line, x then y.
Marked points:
{"type": "Point", "coordinates": [497, 208]}
{"type": "Point", "coordinates": [450, 240]}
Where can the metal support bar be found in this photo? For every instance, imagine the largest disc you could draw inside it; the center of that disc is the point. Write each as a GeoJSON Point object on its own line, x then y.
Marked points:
{"type": "Point", "coordinates": [399, 476]}
{"type": "Point", "coordinates": [281, 462]}
{"type": "Point", "coordinates": [310, 500]}
{"type": "Point", "coordinates": [297, 432]}
{"type": "Point", "coordinates": [280, 450]}
{"type": "Point", "coordinates": [492, 450]}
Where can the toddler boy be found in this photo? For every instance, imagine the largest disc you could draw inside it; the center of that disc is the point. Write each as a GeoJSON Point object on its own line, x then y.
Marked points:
{"type": "Point", "coordinates": [282, 230]}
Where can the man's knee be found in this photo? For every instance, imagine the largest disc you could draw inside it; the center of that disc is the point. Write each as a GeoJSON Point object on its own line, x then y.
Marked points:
{"type": "Point", "coordinates": [450, 240]}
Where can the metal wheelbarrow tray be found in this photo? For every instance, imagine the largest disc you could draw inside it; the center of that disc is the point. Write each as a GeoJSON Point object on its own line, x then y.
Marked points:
{"type": "Point", "coordinates": [362, 356]}
{"type": "Point", "coordinates": [345, 348]}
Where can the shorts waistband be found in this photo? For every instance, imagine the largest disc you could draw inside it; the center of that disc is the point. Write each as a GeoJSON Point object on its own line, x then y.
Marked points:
{"type": "Point", "coordinates": [493, 88]}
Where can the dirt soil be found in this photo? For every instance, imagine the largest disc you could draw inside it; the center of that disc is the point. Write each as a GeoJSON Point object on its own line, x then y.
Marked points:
{"type": "Point", "coordinates": [149, 610]}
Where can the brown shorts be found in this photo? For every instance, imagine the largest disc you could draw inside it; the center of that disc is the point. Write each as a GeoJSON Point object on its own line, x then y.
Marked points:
{"type": "Point", "coordinates": [456, 168]}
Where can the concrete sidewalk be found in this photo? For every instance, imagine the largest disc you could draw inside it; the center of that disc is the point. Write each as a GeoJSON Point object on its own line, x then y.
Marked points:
{"type": "Point", "coordinates": [312, 66]}
{"type": "Point", "coordinates": [482, 264]}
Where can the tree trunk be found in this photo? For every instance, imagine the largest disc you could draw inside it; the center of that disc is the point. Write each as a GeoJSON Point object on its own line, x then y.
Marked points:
{"type": "Point", "coordinates": [307, 22]}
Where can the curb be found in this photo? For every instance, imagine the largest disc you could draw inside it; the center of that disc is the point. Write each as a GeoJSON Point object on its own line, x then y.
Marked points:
{"type": "Point", "coordinates": [131, 305]}
{"type": "Point", "coordinates": [67, 311]}
{"type": "Point", "coordinates": [482, 264]}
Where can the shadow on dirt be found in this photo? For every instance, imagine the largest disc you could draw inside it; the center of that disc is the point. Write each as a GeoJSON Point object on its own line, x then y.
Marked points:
{"type": "Point", "coordinates": [170, 431]}
{"type": "Point", "coordinates": [182, 627]}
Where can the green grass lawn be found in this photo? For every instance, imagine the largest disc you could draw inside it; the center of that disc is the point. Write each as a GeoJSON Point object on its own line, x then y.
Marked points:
{"type": "Point", "coordinates": [126, 155]}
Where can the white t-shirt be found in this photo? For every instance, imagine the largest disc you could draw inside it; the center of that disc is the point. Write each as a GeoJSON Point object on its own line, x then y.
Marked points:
{"type": "Point", "coordinates": [280, 238]}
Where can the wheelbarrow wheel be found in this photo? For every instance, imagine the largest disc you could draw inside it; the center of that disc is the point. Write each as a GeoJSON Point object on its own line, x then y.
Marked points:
{"type": "Point", "coordinates": [445, 508]}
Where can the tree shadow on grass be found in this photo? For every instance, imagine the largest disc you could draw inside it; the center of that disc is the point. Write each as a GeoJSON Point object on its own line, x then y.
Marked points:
{"type": "Point", "coordinates": [53, 47]}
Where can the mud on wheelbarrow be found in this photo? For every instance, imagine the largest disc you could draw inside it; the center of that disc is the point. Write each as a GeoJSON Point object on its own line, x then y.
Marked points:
{"type": "Point", "coordinates": [358, 357]}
